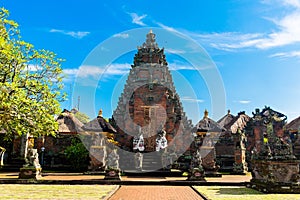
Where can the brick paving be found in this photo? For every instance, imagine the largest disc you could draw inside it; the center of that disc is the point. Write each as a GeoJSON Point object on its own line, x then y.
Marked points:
{"type": "Point", "coordinates": [155, 192]}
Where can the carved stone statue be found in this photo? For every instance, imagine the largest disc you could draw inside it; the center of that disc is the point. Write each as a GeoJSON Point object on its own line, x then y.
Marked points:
{"type": "Point", "coordinates": [161, 141]}
{"type": "Point", "coordinates": [113, 159]}
{"type": "Point", "coordinates": [32, 168]}
{"type": "Point", "coordinates": [113, 171]}
{"type": "Point", "coordinates": [32, 158]}
{"type": "Point", "coordinates": [138, 161]}
{"type": "Point", "coordinates": [196, 172]}
{"type": "Point", "coordinates": [196, 161]}
{"type": "Point", "coordinates": [138, 141]}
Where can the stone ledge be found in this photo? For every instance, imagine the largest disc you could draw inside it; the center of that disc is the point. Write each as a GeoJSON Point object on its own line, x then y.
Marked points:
{"type": "Point", "coordinates": [275, 187]}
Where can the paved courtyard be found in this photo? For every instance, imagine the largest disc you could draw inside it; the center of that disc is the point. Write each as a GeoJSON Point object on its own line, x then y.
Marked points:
{"type": "Point", "coordinates": [80, 186]}
{"type": "Point", "coordinates": [155, 192]}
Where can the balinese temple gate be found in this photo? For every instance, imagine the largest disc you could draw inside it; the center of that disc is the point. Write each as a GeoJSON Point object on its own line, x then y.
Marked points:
{"type": "Point", "coordinates": [152, 129]}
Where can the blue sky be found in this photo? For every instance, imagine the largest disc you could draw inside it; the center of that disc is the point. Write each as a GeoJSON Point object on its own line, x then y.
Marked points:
{"type": "Point", "coordinates": [253, 47]}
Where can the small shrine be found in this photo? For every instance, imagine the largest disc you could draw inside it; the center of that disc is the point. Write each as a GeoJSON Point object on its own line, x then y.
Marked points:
{"type": "Point", "coordinates": [231, 147]}
{"type": "Point", "coordinates": [273, 164]}
{"type": "Point", "coordinates": [207, 133]}
{"type": "Point", "coordinates": [102, 150]}
{"type": "Point", "coordinates": [293, 129]}
{"type": "Point", "coordinates": [51, 148]}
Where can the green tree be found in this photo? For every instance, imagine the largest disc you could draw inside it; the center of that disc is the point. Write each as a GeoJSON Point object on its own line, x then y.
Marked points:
{"type": "Point", "coordinates": [30, 84]}
{"type": "Point", "coordinates": [84, 118]}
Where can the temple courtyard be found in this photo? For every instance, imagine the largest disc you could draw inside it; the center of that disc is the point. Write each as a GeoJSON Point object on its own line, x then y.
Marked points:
{"type": "Point", "coordinates": [149, 149]}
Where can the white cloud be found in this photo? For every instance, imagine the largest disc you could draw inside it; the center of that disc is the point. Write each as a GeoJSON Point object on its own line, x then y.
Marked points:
{"type": "Point", "coordinates": [96, 71]}
{"type": "Point", "coordinates": [228, 41]}
{"type": "Point", "coordinates": [113, 69]}
{"type": "Point", "coordinates": [174, 51]}
{"type": "Point", "coordinates": [293, 3]}
{"type": "Point", "coordinates": [33, 68]}
{"type": "Point", "coordinates": [138, 19]}
{"type": "Point", "coordinates": [244, 102]}
{"type": "Point", "coordinates": [74, 34]}
{"type": "Point", "coordinates": [168, 28]}
{"type": "Point", "coordinates": [122, 35]}
{"type": "Point", "coordinates": [174, 67]}
{"type": "Point", "coordinates": [286, 32]}
{"type": "Point", "coordinates": [70, 71]}
{"type": "Point", "coordinates": [191, 100]}
{"type": "Point", "coordinates": [287, 54]}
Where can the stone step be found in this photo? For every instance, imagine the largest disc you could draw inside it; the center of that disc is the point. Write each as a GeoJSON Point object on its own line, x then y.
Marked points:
{"type": "Point", "coordinates": [14, 165]}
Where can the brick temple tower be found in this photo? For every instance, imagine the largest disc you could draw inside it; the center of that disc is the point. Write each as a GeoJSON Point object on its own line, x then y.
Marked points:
{"type": "Point", "coordinates": [149, 103]}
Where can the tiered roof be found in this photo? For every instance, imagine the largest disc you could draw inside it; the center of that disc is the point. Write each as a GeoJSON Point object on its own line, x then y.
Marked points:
{"type": "Point", "coordinates": [208, 125]}
{"type": "Point", "coordinates": [99, 124]}
{"type": "Point", "coordinates": [294, 125]}
{"type": "Point", "coordinates": [68, 123]}
{"type": "Point", "coordinates": [234, 123]}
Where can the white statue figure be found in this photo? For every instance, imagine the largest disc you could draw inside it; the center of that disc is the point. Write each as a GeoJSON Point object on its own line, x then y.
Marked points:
{"type": "Point", "coordinates": [2, 151]}
{"type": "Point", "coordinates": [32, 158]}
{"type": "Point", "coordinates": [138, 143]}
{"type": "Point", "coordinates": [161, 141]}
{"type": "Point", "coordinates": [138, 160]}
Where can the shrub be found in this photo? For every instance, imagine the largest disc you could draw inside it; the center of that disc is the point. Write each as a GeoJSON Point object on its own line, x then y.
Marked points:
{"type": "Point", "coordinates": [77, 155]}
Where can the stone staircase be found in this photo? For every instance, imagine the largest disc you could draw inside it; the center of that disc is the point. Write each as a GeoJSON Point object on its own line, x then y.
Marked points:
{"type": "Point", "coordinates": [13, 165]}
{"type": "Point", "coordinates": [126, 161]}
{"type": "Point", "coordinates": [152, 161]}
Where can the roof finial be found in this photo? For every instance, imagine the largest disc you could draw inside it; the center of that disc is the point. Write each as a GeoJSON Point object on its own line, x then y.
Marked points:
{"type": "Point", "coordinates": [228, 112]}
{"type": "Point", "coordinates": [150, 41]}
{"type": "Point", "coordinates": [205, 114]}
{"type": "Point", "coordinates": [100, 113]}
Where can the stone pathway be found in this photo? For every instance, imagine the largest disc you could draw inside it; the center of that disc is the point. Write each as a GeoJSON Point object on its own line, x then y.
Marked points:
{"type": "Point", "coordinates": [155, 192]}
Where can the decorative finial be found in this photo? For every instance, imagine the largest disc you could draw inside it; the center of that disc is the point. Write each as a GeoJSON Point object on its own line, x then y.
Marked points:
{"type": "Point", "coordinates": [228, 112]}
{"type": "Point", "coordinates": [205, 114]}
{"type": "Point", "coordinates": [150, 41]}
{"type": "Point", "coordinates": [100, 113]}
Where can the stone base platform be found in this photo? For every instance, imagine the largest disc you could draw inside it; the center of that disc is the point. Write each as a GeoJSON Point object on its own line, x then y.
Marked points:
{"type": "Point", "coordinates": [158, 173]}
{"type": "Point", "coordinates": [112, 174]}
{"type": "Point", "coordinates": [30, 173]}
{"type": "Point", "coordinates": [275, 187]}
{"type": "Point", "coordinates": [213, 174]}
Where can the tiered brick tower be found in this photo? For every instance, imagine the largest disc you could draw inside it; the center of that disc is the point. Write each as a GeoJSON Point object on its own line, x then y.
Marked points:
{"type": "Point", "coordinates": [149, 103]}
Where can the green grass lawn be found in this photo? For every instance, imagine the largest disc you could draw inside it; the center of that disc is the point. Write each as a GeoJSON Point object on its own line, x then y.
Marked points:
{"type": "Point", "coordinates": [90, 192]}
{"type": "Point", "coordinates": [242, 193]}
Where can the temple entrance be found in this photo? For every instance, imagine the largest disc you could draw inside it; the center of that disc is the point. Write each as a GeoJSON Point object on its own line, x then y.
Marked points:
{"type": "Point", "coordinates": [150, 128]}
{"type": "Point", "coordinates": [149, 114]}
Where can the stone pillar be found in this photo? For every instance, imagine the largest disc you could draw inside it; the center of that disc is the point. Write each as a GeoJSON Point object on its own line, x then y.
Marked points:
{"type": "Point", "coordinates": [97, 153]}
{"type": "Point", "coordinates": [240, 164]}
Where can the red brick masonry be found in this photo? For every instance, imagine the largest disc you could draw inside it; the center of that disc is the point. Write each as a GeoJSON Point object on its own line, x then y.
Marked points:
{"type": "Point", "coordinates": [155, 192]}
